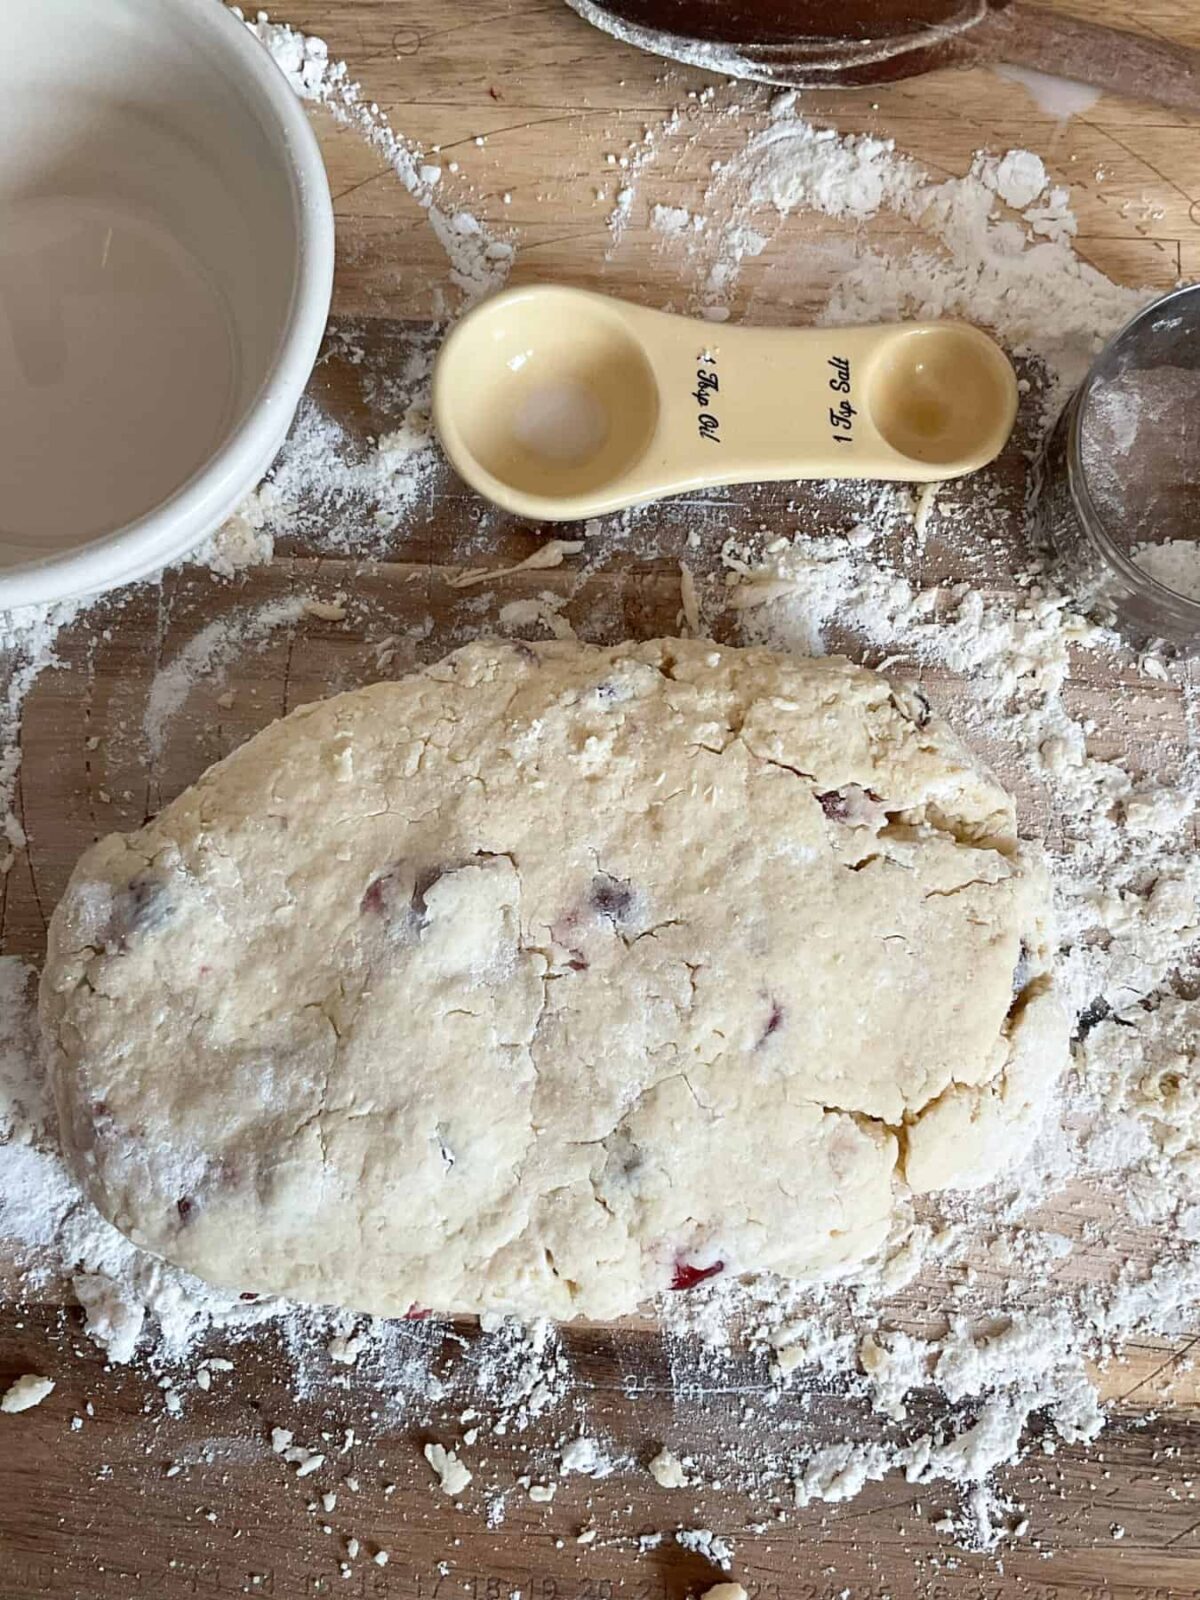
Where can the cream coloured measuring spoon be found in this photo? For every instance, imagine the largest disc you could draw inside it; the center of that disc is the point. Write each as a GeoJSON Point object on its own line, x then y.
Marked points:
{"type": "Point", "coordinates": [557, 403]}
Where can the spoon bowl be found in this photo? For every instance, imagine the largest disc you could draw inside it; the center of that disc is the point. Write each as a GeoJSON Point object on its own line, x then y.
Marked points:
{"type": "Point", "coordinates": [558, 403]}
{"type": "Point", "coordinates": [551, 394]}
{"type": "Point", "coordinates": [934, 389]}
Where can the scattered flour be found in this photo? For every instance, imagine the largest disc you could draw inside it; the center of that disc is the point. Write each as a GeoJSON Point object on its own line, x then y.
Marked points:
{"type": "Point", "coordinates": [208, 653]}
{"type": "Point", "coordinates": [1015, 273]}
{"type": "Point", "coordinates": [344, 499]}
{"type": "Point", "coordinates": [1129, 888]}
{"type": "Point", "coordinates": [27, 638]}
{"type": "Point", "coordinates": [524, 1371]}
{"type": "Point", "coordinates": [793, 165]}
{"type": "Point", "coordinates": [1129, 895]}
{"type": "Point", "coordinates": [478, 263]}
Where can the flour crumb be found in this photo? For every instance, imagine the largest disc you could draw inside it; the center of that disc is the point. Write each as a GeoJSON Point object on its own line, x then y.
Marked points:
{"type": "Point", "coordinates": [113, 1320]}
{"type": "Point", "coordinates": [1018, 178]}
{"type": "Point", "coordinates": [245, 540]}
{"type": "Point", "coordinates": [26, 1392]}
{"type": "Point", "coordinates": [704, 1542]}
{"type": "Point", "coordinates": [923, 507]}
{"type": "Point", "coordinates": [540, 612]}
{"type": "Point", "coordinates": [453, 1477]}
{"type": "Point", "coordinates": [550, 554]}
{"type": "Point", "coordinates": [670, 220]}
{"type": "Point", "coordinates": [305, 1461]}
{"type": "Point", "coordinates": [584, 1455]}
{"type": "Point", "coordinates": [689, 601]}
{"type": "Point", "coordinates": [668, 1471]}
{"type": "Point", "coordinates": [345, 1349]}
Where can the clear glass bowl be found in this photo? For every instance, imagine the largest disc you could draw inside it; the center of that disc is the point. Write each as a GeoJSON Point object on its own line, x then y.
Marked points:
{"type": "Point", "coordinates": [1121, 472]}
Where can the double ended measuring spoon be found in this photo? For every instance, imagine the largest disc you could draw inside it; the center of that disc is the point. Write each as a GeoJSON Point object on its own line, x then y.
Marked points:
{"type": "Point", "coordinates": [557, 403]}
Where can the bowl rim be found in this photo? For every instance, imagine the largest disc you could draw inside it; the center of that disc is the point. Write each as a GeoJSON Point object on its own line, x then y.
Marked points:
{"type": "Point", "coordinates": [178, 523]}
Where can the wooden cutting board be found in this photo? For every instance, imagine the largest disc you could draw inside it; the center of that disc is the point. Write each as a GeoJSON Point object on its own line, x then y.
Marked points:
{"type": "Point", "coordinates": [91, 1512]}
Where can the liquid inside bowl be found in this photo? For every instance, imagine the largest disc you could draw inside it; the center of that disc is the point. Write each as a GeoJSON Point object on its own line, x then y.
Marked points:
{"type": "Point", "coordinates": [165, 263]}
{"type": "Point", "coordinates": [118, 370]}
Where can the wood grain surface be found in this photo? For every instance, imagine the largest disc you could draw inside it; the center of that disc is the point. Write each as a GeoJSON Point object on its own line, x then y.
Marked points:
{"type": "Point", "coordinates": [91, 1512]}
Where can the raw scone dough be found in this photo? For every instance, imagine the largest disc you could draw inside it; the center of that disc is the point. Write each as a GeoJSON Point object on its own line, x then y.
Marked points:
{"type": "Point", "coordinates": [551, 977]}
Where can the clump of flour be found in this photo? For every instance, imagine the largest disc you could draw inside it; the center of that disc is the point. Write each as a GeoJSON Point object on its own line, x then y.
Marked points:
{"type": "Point", "coordinates": [344, 498]}
{"type": "Point", "coordinates": [246, 539]}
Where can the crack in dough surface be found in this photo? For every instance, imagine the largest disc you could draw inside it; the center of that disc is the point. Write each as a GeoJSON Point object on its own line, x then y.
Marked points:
{"type": "Point", "coordinates": [552, 977]}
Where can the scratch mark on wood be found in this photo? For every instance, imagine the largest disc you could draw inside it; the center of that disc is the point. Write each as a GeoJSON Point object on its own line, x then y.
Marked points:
{"type": "Point", "coordinates": [1171, 1360]}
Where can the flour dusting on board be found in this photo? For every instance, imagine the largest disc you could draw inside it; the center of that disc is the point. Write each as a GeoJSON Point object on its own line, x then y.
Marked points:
{"type": "Point", "coordinates": [206, 654]}
{"type": "Point", "coordinates": [478, 262]}
{"type": "Point", "coordinates": [999, 248]}
{"type": "Point", "coordinates": [1031, 1309]}
{"type": "Point", "coordinates": [27, 638]}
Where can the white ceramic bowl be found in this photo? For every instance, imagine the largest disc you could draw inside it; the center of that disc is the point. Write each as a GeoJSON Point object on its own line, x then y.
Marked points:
{"type": "Point", "coordinates": [166, 265]}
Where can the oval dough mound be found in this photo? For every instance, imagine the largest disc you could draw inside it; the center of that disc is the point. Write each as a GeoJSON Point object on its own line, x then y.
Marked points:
{"type": "Point", "coordinates": [551, 977]}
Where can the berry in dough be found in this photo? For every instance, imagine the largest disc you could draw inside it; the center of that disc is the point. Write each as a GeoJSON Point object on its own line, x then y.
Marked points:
{"type": "Point", "coordinates": [551, 977]}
